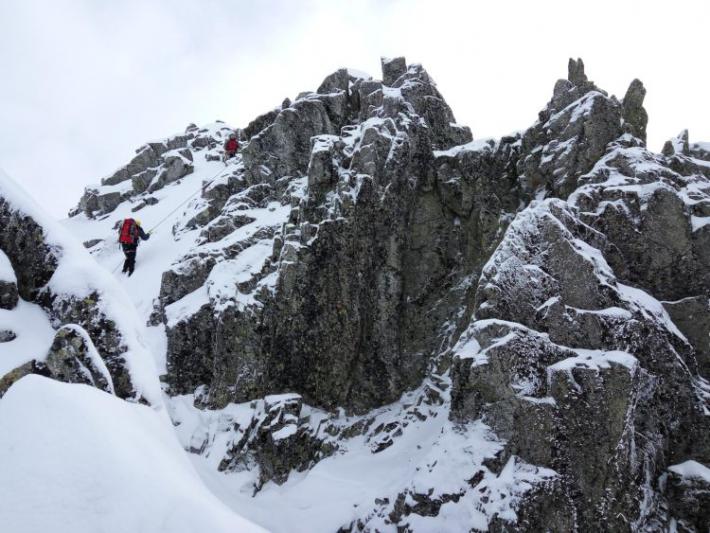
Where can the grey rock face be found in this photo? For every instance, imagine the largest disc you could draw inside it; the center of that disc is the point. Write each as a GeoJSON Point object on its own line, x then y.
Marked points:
{"type": "Point", "coordinates": [261, 122]}
{"type": "Point", "coordinates": [392, 69]}
{"type": "Point", "coordinates": [154, 166]}
{"type": "Point", "coordinates": [102, 331]}
{"type": "Point", "coordinates": [549, 305]}
{"type": "Point", "coordinates": [336, 82]}
{"type": "Point", "coordinates": [22, 240]}
{"type": "Point", "coordinates": [552, 285]}
{"type": "Point", "coordinates": [635, 115]}
{"type": "Point", "coordinates": [571, 135]}
{"type": "Point", "coordinates": [278, 442]}
{"type": "Point", "coordinates": [689, 501]}
{"type": "Point", "coordinates": [282, 148]}
{"type": "Point", "coordinates": [8, 294]}
{"type": "Point", "coordinates": [692, 316]}
{"type": "Point", "coordinates": [31, 367]}
{"type": "Point", "coordinates": [575, 72]}
{"type": "Point", "coordinates": [348, 306]}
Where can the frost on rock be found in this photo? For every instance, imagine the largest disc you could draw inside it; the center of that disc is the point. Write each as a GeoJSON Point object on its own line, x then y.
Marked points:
{"type": "Point", "coordinates": [8, 284]}
{"type": "Point", "coordinates": [154, 166]}
{"type": "Point", "coordinates": [369, 321]}
{"type": "Point", "coordinates": [60, 285]}
{"type": "Point", "coordinates": [560, 351]}
{"type": "Point", "coordinates": [306, 250]}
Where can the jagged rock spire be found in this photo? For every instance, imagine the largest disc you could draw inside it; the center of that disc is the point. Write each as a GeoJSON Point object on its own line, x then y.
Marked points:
{"type": "Point", "coordinates": [635, 116]}
{"type": "Point", "coordinates": [678, 145]}
{"type": "Point", "coordinates": [575, 71]}
{"type": "Point", "coordinates": [392, 68]}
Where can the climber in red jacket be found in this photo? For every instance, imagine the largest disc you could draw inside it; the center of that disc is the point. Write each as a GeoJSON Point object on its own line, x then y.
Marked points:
{"type": "Point", "coordinates": [231, 146]}
{"type": "Point", "coordinates": [129, 236]}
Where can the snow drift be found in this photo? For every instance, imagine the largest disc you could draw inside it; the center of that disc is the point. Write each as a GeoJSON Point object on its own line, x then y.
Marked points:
{"type": "Point", "coordinates": [77, 460]}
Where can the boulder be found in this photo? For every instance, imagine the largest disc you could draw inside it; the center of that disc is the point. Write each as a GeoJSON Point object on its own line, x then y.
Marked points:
{"type": "Point", "coordinates": [73, 358]}
{"type": "Point", "coordinates": [43, 260]}
{"type": "Point", "coordinates": [678, 145]}
{"type": "Point", "coordinates": [392, 69]}
{"type": "Point", "coordinates": [278, 442]}
{"type": "Point", "coordinates": [687, 486]}
{"type": "Point", "coordinates": [108, 202]}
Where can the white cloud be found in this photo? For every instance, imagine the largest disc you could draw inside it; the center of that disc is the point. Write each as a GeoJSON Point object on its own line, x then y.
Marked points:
{"type": "Point", "coordinates": [86, 82]}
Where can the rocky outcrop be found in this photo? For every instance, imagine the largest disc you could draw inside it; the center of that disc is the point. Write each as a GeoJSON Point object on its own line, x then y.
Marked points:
{"type": "Point", "coordinates": [10, 378]}
{"type": "Point", "coordinates": [678, 145]}
{"type": "Point", "coordinates": [55, 274]}
{"type": "Point", "coordinates": [548, 364]}
{"type": "Point", "coordinates": [700, 151]}
{"type": "Point", "coordinates": [73, 358]}
{"type": "Point", "coordinates": [563, 355]}
{"type": "Point", "coordinates": [353, 316]}
{"type": "Point", "coordinates": [524, 320]}
{"type": "Point", "coordinates": [154, 166]}
{"type": "Point", "coordinates": [634, 114]}
{"type": "Point", "coordinates": [573, 131]}
{"type": "Point", "coordinates": [278, 440]}
{"type": "Point", "coordinates": [22, 241]}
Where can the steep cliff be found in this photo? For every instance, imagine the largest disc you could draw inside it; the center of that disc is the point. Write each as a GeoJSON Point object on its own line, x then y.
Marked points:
{"type": "Point", "coordinates": [402, 329]}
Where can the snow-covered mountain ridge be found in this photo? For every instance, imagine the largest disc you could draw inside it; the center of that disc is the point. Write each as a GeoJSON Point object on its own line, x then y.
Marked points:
{"type": "Point", "coordinates": [370, 321]}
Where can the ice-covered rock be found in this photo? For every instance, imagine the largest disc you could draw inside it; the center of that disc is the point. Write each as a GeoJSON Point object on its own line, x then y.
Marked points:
{"type": "Point", "coordinates": [155, 165]}
{"type": "Point", "coordinates": [73, 358]}
{"type": "Point", "coordinates": [505, 334]}
{"type": "Point", "coordinates": [8, 283]}
{"type": "Point", "coordinates": [59, 284]}
{"type": "Point", "coordinates": [688, 489]}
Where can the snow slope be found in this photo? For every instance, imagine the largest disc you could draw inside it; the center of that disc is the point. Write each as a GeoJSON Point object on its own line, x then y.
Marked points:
{"type": "Point", "coordinates": [72, 457]}
{"type": "Point", "coordinates": [78, 276]}
{"type": "Point", "coordinates": [177, 202]}
{"type": "Point", "coordinates": [33, 335]}
{"type": "Point", "coordinates": [75, 459]}
{"type": "Point", "coordinates": [431, 451]}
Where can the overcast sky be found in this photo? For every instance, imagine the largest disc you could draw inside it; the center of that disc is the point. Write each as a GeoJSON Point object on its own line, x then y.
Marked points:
{"type": "Point", "coordinates": [83, 83]}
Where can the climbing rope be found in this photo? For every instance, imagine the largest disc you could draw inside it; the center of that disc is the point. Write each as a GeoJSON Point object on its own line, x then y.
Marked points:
{"type": "Point", "coordinates": [201, 189]}
{"type": "Point", "coordinates": [166, 217]}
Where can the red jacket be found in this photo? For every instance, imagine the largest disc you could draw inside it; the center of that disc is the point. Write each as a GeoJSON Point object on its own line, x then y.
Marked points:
{"type": "Point", "coordinates": [231, 145]}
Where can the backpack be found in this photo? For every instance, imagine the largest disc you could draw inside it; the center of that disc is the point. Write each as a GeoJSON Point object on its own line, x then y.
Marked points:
{"type": "Point", "coordinates": [129, 232]}
{"type": "Point", "coordinates": [232, 145]}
